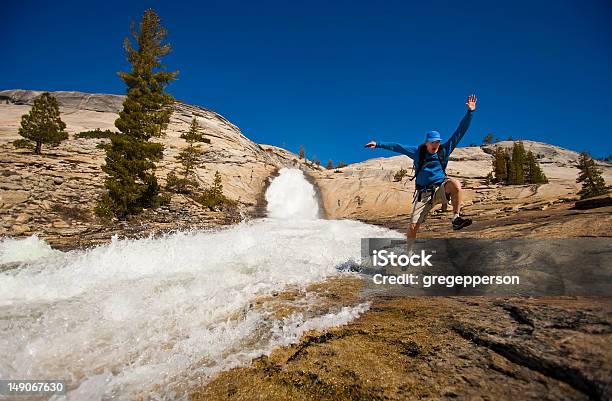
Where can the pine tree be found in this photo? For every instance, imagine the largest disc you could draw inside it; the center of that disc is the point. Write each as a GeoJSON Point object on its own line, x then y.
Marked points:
{"type": "Point", "coordinates": [217, 186]}
{"type": "Point", "coordinates": [194, 135]}
{"type": "Point", "coordinates": [191, 155]}
{"type": "Point", "coordinates": [488, 139]}
{"type": "Point", "coordinates": [500, 165]}
{"type": "Point", "coordinates": [330, 164]}
{"type": "Point", "coordinates": [213, 197]}
{"type": "Point", "coordinates": [301, 152]}
{"type": "Point", "coordinates": [533, 172]}
{"type": "Point", "coordinates": [508, 161]}
{"type": "Point", "coordinates": [130, 158]}
{"type": "Point", "coordinates": [400, 174]}
{"type": "Point", "coordinates": [189, 158]}
{"type": "Point", "coordinates": [516, 167]}
{"type": "Point", "coordinates": [590, 176]}
{"type": "Point", "coordinates": [43, 125]}
{"type": "Point", "coordinates": [516, 171]}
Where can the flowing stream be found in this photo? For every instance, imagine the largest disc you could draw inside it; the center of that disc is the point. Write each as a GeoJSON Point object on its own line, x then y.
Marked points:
{"type": "Point", "coordinates": [141, 317]}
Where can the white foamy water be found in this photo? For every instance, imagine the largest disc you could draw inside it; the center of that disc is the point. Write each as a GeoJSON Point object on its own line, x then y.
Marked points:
{"type": "Point", "coordinates": [24, 250]}
{"type": "Point", "coordinates": [290, 196]}
{"type": "Point", "coordinates": [147, 316]}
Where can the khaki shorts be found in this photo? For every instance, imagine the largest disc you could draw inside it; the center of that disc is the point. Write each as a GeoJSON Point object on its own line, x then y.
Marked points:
{"type": "Point", "coordinates": [422, 207]}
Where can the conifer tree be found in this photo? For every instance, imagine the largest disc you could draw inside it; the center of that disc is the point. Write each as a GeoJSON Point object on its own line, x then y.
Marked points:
{"type": "Point", "coordinates": [130, 158]}
{"type": "Point", "coordinates": [301, 151]}
{"type": "Point", "coordinates": [192, 154]}
{"type": "Point", "coordinates": [189, 158]}
{"type": "Point", "coordinates": [533, 172]}
{"type": "Point", "coordinates": [511, 173]}
{"type": "Point", "coordinates": [213, 197]}
{"type": "Point", "coordinates": [517, 167]}
{"type": "Point", "coordinates": [217, 187]}
{"type": "Point", "coordinates": [400, 174]}
{"type": "Point", "coordinates": [516, 171]}
{"type": "Point", "coordinates": [590, 176]}
{"type": "Point", "coordinates": [488, 139]}
{"type": "Point", "coordinates": [330, 164]}
{"type": "Point", "coordinates": [500, 165]}
{"type": "Point", "coordinates": [508, 161]}
{"type": "Point", "coordinates": [42, 124]}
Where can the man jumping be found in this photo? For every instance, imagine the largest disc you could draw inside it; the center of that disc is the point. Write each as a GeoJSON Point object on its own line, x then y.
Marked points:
{"type": "Point", "coordinates": [432, 184]}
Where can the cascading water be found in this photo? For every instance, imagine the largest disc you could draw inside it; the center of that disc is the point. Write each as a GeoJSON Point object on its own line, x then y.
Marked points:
{"type": "Point", "coordinates": [135, 316]}
{"type": "Point", "coordinates": [290, 196]}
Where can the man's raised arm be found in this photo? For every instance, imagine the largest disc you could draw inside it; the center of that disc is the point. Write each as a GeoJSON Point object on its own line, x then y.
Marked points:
{"type": "Point", "coordinates": [453, 141]}
{"type": "Point", "coordinates": [409, 151]}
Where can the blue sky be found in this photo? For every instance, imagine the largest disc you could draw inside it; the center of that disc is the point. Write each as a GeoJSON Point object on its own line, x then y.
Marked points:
{"type": "Point", "coordinates": [332, 75]}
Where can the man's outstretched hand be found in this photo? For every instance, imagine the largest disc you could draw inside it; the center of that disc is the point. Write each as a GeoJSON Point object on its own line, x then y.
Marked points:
{"type": "Point", "coordinates": [471, 102]}
{"type": "Point", "coordinates": [371, 144]}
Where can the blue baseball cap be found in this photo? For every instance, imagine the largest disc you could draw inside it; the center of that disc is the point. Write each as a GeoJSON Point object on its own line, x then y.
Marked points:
{"type": "Point", "coordinates": [432, 136]}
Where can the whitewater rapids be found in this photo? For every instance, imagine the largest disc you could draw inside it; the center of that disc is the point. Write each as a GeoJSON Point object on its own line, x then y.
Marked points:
{"type": "Point", "coordinates": [132, 317]}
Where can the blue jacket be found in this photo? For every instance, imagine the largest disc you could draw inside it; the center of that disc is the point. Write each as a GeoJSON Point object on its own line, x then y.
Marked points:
{"type": "Point", "coordinates": [433, 169]}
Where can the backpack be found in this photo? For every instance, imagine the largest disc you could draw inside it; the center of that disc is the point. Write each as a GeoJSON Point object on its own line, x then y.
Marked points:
{"type": "Point", "coordinates": [421, 160]}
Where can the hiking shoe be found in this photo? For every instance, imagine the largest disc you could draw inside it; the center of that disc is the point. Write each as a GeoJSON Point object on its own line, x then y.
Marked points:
{"type": "Point", "coordinates": [459, 222]}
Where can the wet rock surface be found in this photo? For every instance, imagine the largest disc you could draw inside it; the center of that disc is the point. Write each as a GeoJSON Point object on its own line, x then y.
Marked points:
{"type": "Point", "coordinates": [441, 348]}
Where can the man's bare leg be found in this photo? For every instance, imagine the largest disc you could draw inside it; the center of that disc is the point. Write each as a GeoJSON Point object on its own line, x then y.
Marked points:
{"type": "Point", "coordinates": [411, 236]}
{"type": "Point", "coordinates": [454, 190]}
